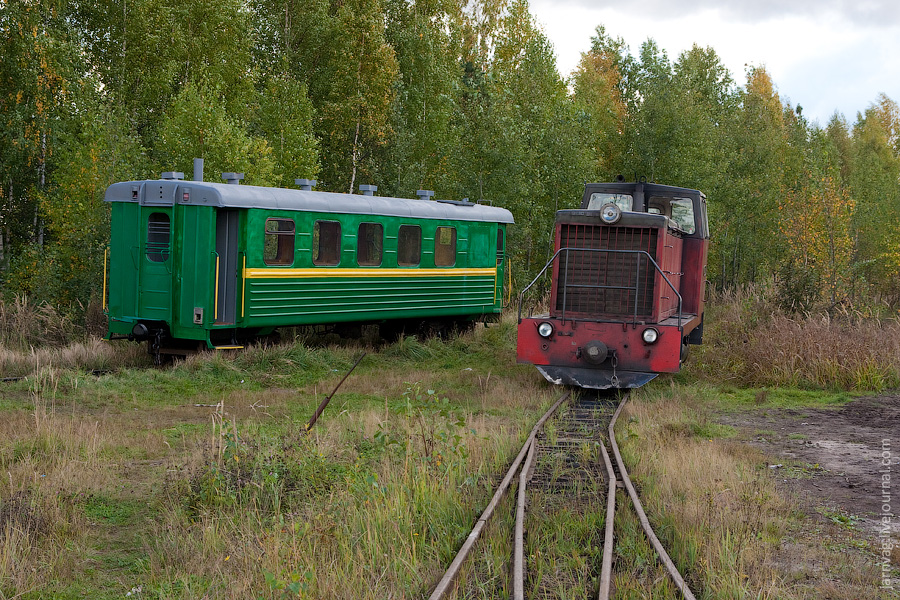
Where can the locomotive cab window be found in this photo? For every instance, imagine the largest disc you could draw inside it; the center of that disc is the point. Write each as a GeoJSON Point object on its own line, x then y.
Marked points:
{"type": "Point", "coordinates": [445, 247]}
{"type": "Point", "coordinates": [370, 244]}
{"type": "Point", "coordinates": [598, 199]}
{"type": "Point", "coordinates": [159, 237]}
{"type": "Point", "coordinates": [679, 210]}
{"type": "Point", "coordinates": [278, 247]}
{"type": "Point", "coordinates": [327, 243]}
{"type": "Point", "coordinates": [409, 246]}
{"type": "Point", "coordinates": [683, 214]}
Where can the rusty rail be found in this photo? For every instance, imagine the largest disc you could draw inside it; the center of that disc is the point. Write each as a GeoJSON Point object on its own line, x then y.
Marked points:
{"type": "Point", "coordinates": [446, 582]}
{"type": "Point", "coordinates": [523, 464]}
{"type": "Point", "coordinates": [642, 516]}
{"type": "Point", "coordinates": [328, 398]}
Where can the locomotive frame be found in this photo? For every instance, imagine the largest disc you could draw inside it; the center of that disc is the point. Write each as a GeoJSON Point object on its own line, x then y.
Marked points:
{"type": "Point", "coordinates": [195, 264]}
{"type": "Point", "coordinates": [627, 289]}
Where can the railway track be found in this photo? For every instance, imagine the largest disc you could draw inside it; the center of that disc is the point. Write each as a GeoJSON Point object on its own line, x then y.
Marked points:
{"type": "Point", "coordinates": [564, 464]}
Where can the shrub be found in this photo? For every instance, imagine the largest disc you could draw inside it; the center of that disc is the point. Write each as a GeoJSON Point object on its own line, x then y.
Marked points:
{"type": "Point", "coordinates": [750, 340]}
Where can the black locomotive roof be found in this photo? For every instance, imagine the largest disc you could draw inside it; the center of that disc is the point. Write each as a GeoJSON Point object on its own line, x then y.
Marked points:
{"type": "Point", "coordinates": [640, 187]}
{"type": "Point", "coordinates": [165, 192]}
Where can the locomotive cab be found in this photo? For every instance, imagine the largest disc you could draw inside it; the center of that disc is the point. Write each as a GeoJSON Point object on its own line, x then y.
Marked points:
{"type": "Point", "coordinates": [626, 287]}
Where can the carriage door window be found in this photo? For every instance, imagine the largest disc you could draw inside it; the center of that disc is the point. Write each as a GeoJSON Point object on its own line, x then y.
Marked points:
{"type": "Point", "coordinates": [370, 243]}
{"type": "Point", "coordinates": [409, 246]}
{"type": "Point", "coordinates": [278, 248]}
{"type": "Point", "coordinates": [326, 243]}
{"type": "Point", "coordinates": [159, 237]}
{"type": "Point", "coordinates": [499, 246]}
{"type": "Point", "coordinates": [445, 247]}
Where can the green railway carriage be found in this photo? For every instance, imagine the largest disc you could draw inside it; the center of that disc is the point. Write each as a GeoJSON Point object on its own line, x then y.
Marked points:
{"type": "Point", "coordinates": [194, 263]}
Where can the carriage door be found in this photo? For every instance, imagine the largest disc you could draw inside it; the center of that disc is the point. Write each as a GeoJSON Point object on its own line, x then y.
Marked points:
{"type": "Point", "coordinates": [155, 260]}
{"type": "Point", "coordinates": [227, 266]}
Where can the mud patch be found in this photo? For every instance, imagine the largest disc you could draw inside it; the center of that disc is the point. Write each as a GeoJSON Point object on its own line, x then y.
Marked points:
{"type": "Point", "coordinates": [833, 459]}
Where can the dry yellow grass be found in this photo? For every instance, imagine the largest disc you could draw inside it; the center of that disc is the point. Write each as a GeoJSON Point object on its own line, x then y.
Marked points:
{"type": "Point", "coordinates": [724, 523]}
{"type": "Point", "coordinates": [749, 341]}
{"type": "Point", "coordinates": [146, 488]}
{"type": "Point", "coordinates": [91, 355]}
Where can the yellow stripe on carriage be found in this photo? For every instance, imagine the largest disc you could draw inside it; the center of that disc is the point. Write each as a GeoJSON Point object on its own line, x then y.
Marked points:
{"type": "Point", "coordinates": [364, 273]}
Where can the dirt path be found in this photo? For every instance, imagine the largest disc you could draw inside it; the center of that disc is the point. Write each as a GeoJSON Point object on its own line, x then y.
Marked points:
{"type": "Point", "coordinates": [834, 459]}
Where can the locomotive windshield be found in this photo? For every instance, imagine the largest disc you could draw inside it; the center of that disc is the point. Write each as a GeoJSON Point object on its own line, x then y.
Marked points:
{"type": "Point", "coordinates": [598, 199]}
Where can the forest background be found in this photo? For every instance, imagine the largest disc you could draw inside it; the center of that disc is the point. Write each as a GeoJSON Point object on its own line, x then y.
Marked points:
{"type": "Point", "coordinates": [463, 97]}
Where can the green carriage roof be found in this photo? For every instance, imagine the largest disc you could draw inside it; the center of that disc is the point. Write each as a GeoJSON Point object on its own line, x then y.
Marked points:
{"type": "Point", "coordinates": [165, 192]}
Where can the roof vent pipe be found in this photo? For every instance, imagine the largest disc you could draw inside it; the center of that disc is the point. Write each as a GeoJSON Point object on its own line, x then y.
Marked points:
{"type": "Point", "coordinates": [424, 194]}
{"type": "Point", "coordinates": [368, 190]}
{"type": "Point", "coordinates": [198, 169]}
{"type": "Point", "coordinates": [233, 178]}
{"type": "Point", "coordinates": [306, 184]}
{"type": "Point", "coordinates": [170, 175]}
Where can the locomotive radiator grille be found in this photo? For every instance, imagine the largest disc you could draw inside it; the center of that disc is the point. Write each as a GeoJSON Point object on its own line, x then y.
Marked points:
{"type": "Point", "coordinates": [606, 284]}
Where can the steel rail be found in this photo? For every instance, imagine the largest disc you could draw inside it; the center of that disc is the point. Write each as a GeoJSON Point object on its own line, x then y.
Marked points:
{"type": "Point", "coordinates": [446, 582]}
{"type": "Point", "coordinates": [642, 516]}
{"type": "Point", "coordinates": [606, 567]}
{"type": "Point", "coordinates": [519, 554]}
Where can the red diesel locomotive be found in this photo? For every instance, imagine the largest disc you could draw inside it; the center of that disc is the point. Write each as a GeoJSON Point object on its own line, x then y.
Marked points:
{"type": "Point", "coordinates": [628, 278]}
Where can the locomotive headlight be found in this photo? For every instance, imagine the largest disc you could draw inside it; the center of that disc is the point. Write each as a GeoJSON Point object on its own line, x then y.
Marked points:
{"type": "Point", "coordinates": [545, 330]}
{"type": "Point", "coordinates": [610, 213]}
{"type": "Point", "coordinates": [650, 335]}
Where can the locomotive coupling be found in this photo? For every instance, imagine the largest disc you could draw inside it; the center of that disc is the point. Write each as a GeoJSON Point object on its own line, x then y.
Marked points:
{"type": "Point", "coordinates": [595, 352]}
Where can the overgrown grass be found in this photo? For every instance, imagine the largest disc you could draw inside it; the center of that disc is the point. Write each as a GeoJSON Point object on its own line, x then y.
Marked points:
{"type": "Point", "coordinates": [200, 480]}
{"type": "Point", "coordinates": [750, 342]}
{"type": "Point", "coordinates": [714, 506]}
{"type": "Point", "coordinates": [25, 325]}
{"type": "Point", "coordinates": [33, 337]}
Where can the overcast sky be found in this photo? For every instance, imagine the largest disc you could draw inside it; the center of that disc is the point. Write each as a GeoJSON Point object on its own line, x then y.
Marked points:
{"type": "Point", "coordinates": [826, 55]}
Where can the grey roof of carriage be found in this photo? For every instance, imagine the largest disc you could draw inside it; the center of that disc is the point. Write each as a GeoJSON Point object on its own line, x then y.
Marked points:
{"type": "Point", "coordinates": [166, 192]}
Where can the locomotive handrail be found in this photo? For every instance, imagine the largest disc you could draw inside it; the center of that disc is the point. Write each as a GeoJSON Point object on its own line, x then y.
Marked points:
{"type": "Point", "coordinates": [636, 288]}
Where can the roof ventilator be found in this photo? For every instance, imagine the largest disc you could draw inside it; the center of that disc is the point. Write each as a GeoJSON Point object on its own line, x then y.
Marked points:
{"type": "Point", "coordinates": [171, 175]}
{"type": "Point", "coordinates": [306, 185]}
{"type": "Point", "coordinates": [368, 190]}
{"type": "Point", "coordinates": [233, 178]}
{"type": "Point", "coordinates": [424, 194]}
{"type": "Point", "coordinates": [198, 169]}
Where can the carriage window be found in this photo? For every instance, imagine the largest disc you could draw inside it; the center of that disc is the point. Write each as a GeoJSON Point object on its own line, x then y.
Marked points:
{"type": "Point", "coordinates": [445, 247]}
{"type": "Point", "coordinates": [326, 243]}
{"type": "Point", "coordinates": [598, 199]}
{"type": "Point", "coordinates": [683, 214]}
{"type": "Point", "coordinates": [278, 247]}
{"type": "Point", "coordinates": [409, 246]}
{"type": "Point", "coordinates": [159, 236]}
{"type": "Point", "coordinates": [370, 243]}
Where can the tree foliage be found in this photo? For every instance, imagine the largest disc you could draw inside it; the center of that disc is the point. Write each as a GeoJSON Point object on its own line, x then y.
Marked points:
{"type": "Point", "coordinates": [198, 124]}
{"type": "Point", "coordinates": [463, 97]}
